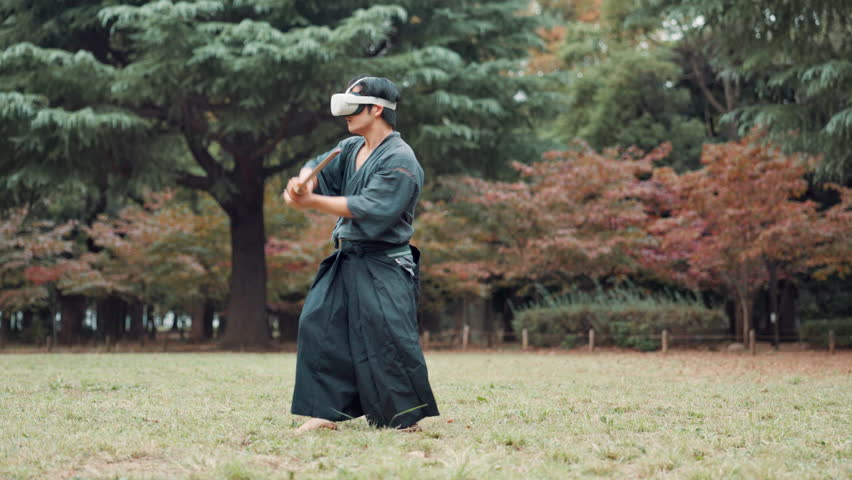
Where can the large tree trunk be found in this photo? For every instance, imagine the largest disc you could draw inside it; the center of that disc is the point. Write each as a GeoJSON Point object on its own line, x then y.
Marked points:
{"type": "Point", "coordinates": [152, 322]}
{"type": "Point", "coordinates": [247, 325]}
{"type": "Point", "coordinates": [288, 326]}
{"type": "Point", "coordinates": [111, 312]}
{"type": "Point", "coordinates": [26, 324]}
{"type": "Point", "coordinates": [243, 202]}
{"type": "Point", "coordinates": [787, 319]}
{"type": "Point", "coordinates": [744, 304]}
{"type": "Point", "coordinates": [209, 313]}
{"type": "Point", "coordinates": [201, 313]}
{"type": "Point", "coordinates": [223, 325]}
{"type": "Point", "coordinates": [72, 313]}
{"type": "Point", "coordinates": [137, 327]}
{"type": "Point", "coordinates": [734, 305]}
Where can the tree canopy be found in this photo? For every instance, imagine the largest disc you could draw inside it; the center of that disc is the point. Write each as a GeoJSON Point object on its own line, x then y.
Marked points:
{"type": "Point", "coordinates": [784, 65]}
{"type": "Point", "coordinates": [220, 96]}
{"type": "Point", "coordinates": [205, 107]}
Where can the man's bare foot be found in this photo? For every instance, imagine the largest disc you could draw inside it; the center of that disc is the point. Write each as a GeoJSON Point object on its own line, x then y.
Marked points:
{"type": "Point", "coordinates": [315, 424]}
{"type": "Point", "coordinates": [411, 429]}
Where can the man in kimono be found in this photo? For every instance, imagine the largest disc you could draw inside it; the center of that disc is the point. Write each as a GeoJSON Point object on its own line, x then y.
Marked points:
{"type": "Point", "coordinates": [358, 349]}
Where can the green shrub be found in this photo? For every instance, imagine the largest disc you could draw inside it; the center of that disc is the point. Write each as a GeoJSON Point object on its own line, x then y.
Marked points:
{"type": "Point", "coordinates": [816, 331]}
{"type": "Point", "coordinates": [570, 341]}
{"type": "Point", "coordinates": [631, 334]}
{"type": "Point", "coordinates": [548, 327]}
{"type": "Point", "coordinates": [624, 317]}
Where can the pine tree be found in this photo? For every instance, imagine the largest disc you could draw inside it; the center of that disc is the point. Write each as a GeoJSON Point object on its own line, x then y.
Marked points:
{"type": "Point", "coordinates": [795, 54]}
{"type": "Point", "coordinates": [222, 95]}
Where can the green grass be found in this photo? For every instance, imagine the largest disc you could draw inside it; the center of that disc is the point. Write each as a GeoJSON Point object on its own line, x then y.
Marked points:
{"type": "Point", "coordinates": [504, 415]}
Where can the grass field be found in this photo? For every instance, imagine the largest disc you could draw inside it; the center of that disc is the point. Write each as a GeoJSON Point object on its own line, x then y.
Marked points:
{"type": "Point", "coordinates": [504, 415]}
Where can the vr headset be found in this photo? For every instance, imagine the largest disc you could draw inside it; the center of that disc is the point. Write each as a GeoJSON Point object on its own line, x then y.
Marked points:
{"type": "Point", "coordinates": [346, 103]}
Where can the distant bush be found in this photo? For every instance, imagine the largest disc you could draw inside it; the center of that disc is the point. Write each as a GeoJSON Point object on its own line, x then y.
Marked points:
{"type": "Point", "coordinates": [570, 341]}
{"type": "Point", "coordinates": [624, 316]}
{"type": "Point", "coordinates": [633, 334]}
{"type": "Point", "coordinates": [816, 331]}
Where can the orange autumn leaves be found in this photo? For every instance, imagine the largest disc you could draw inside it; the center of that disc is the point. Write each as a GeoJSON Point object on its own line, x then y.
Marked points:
{"type": "Point", "coordinates": [169, 252]}
{"type": "Point", "coordinates": [574, 214]}
{"type": "Point", "coordinates": [580, 213]}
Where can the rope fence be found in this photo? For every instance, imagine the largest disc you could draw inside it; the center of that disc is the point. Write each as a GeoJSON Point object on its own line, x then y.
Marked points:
{"type": "Point", "coordinates": [453, 339]}
{"type": "Point", "coordinates": [462, 338]}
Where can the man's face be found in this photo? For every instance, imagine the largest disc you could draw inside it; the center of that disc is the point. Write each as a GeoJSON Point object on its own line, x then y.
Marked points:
{"type": "Point", "coordinates": [359, 123]}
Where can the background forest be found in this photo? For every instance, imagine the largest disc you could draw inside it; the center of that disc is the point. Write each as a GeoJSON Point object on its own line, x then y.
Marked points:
{"type": "Point", "coordinates": [625, 165]}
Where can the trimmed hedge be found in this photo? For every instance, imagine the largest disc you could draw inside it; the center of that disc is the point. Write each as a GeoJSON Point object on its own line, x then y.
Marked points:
{"type": "Point", "coordinates": [622, 317]}
{"type": "Point", "coordinates": [816, 331]}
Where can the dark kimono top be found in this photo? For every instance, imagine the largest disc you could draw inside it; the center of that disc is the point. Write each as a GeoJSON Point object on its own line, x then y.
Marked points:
{"type": "Point", "coordinates": [381, 195]}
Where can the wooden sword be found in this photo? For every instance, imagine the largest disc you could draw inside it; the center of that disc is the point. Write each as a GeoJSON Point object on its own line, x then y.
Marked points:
{"type": "Point", "coordinates": [299, 189]}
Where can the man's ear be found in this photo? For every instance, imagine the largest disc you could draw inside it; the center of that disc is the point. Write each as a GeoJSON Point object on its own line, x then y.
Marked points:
{"type": "Point", "coordinates": [377, 111]}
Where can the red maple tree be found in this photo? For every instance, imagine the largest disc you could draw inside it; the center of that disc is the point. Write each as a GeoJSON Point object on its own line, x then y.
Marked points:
{"type": "Point", "coordinates": [741, 223]}
{"type": "Point", "coordinates": [575, 213]}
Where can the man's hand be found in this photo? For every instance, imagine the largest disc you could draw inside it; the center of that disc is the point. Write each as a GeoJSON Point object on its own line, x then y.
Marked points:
{"type": "Point", "coordinates": [298, 184]}
{"type": "Point", "coordinates": [295, 200]}
{"type": "Point", "coordinates": [309, 185]}
{"type": "Point", "coordinates": [337, 206]}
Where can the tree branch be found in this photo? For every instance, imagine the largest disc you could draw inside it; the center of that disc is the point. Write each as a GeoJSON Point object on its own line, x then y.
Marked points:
{"type": "Point", "coordinates": [270, 144]}
{"type": "Point", "coordinates": [203, 157]}
{"type": "Point", "coordinates": [288, 129]}
{"type": "Point", "coordinates": [194, 119]}
{"type": "Point", "coordinates": [729, 94]}
{"type": "Point", "coordinates": [224, 143]}
{"type": "Point", "coordinates": [195, 182]}
{"type": "Point", "coordinates": [294, 159]}
{"type": "Point", "coordinates": [154, 112]}
{"type": "Point", "coordinates": [699, 78]}
{"type": "Point", "coordinates": [275, 169]}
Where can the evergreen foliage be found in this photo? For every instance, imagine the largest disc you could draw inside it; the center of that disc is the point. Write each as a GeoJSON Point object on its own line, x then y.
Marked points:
{"type": "Point", "coordinates": [795, 56]}
{"type": "Point", "coordinates": [221, 95]}
{"type": "Point", "coordinates": [817, 332]}
{"type": "Point", "coordinates": [622, 94]}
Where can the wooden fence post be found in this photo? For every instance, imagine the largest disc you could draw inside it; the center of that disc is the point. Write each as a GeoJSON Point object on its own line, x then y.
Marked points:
{"type": "Point", "coordinates": [665, 341]}
{"type": "Point", "coordinates": [831, 342]}
{"type": "Point", "coordinates": [165, 343]}
{"type": "Point", "coordinates": [465, 336]}
{"type": "Point", "coordinates": [425, 339]}
{"type": "Point", "coordinates": [752, 345]}
{"type": "Point", "coordinates": [108, 343]}
{"type": "Point", "coordinates": [591, 339]}
{"type": "Point", "coordinates": [499, 337]}
{"type": "Point", "coordinates": [524, 339]}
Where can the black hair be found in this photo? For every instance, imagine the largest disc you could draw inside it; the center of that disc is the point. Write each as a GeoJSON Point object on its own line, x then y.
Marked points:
{"type": "Point", "coordinates": [378, 87]}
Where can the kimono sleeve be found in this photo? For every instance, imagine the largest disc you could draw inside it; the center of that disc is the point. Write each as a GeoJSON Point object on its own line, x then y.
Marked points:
{"type": "Point", "coordinates": [383, 200]}
{"type": "Point", "coordinates": [330, 179]}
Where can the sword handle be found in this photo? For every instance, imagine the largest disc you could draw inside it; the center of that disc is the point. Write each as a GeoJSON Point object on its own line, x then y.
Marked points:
{"type": "Point", "coordinates": [299, 189]}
